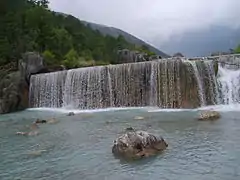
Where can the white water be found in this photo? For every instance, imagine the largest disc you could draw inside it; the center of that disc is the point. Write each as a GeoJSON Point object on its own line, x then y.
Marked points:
{"type": "Point", "coordinates": [219, 108]}
{"type": "Point", "coordinates": [213, 83]}
{"type": "Point", "coordinates": [229, 81]}
{"type": "Point", "coordinates": [201, 92]}
{"type": "Point", "coordinates": [155, 83]}
{"type": "Point", "coordinates": [77, 111]}
{"type": "Point", "coordinates": [162, 84]}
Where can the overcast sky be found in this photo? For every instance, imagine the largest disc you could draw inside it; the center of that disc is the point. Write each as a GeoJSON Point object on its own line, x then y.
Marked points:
{"type": "Point", "coordinates": [153, 20]}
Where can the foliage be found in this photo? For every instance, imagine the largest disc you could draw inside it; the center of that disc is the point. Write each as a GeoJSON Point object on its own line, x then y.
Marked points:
{"type": "Point", "coordinates": [145, 49]}
{"type": "Point", "coordinates": [237, 50]}
{"type": "Point", "coordinates": [71, 59]}
{"type": "Point", "coordinates": [49, 57]}
{"type": "Point", "coordinates": [28, 25]}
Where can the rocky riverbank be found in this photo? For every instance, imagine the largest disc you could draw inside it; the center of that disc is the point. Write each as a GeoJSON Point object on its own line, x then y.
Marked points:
{"type": "Point", "coordinates": [14, 83]}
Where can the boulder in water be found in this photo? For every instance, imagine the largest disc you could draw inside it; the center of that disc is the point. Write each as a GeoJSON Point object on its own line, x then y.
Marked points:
{"type": "Point", "coordinates": [38, 121]}
{"type": "Point", "coordinates": [71, 114]}
{"type": "Point", "coordinates": [209, 115]}
{"type": "Point", "coordinates": [138, 144]}
{"type": "Point", "coordinates": [43, 121]}
{"type": "Point", "coordinates": [130, 129]}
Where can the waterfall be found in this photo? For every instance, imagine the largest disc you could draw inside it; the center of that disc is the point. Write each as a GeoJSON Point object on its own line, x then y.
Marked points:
{"type": "Point", "coordinates": [165, 83]}
{"type": "Point", "coordinates": [201, 93]}
{"type": "Point", "coordinates": [229, 80]}
{"type": "Point", "coordinates": [213, 84]}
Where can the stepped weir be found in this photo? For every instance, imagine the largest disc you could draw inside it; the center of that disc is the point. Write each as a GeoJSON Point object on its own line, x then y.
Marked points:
{"type": "Point", "coordinates": [164, 83]}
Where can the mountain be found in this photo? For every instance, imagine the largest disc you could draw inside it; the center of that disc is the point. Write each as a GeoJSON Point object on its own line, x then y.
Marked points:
{"type": "Point", "coordinates": [204, 42]}
{"type": "Point", "coordinates": [115, 32]}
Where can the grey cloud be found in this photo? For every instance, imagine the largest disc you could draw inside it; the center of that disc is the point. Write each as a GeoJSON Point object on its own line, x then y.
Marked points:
{"type": "Point", "coordinates": [154, 19]}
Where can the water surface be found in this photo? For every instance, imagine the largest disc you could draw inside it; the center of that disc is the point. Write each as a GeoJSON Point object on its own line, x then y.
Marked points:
{"type": "Point", "coordinates": [79, 147]}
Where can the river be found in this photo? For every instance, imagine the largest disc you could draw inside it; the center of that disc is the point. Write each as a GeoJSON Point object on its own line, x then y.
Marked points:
{"type": "Point", "coordinates": [79, 147]}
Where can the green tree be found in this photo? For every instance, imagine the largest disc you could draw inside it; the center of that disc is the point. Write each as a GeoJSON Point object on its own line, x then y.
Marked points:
{"type": "Point", "coordinates": [5, 50]}
{"type": "Point", "coordinates": [28, 25]}
{"type": "Point", "coordinates": [237, 50]}
{"type": "Point", "coordinates": [60, 42]}
{"type": "Point", "coordinates": [49, 57]}
{"type": "Point", "coordinates": [71, 59]}
{"type": "Point", "coordinates": [44, 3]}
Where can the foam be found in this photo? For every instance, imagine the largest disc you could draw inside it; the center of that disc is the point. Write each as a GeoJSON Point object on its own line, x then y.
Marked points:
{"type": "Point", "coordinates": [220, 108]}
{"type": "Point", "coordinates": [76, 111]}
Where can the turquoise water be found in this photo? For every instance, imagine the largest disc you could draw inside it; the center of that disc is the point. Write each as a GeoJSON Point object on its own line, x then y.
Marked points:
{"type": "Point", "coordinates": [79, 147]}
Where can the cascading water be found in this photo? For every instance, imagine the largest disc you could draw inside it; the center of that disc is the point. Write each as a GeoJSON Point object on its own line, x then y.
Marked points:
{"type": "Point", "coordinates": [199, 82]}
{"type": "Point", "coordinates": [171, 83]}
{"type": "Point", "coordinates": [213, 84]}
{"type": "Point", "coordinates": [229, 81]}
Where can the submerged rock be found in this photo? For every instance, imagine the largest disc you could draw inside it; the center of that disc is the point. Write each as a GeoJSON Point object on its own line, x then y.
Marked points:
{"type": "Point", "coordinates": [43, 121]}
{"type": "Point", "coordinates": [138, 144]}
{"type": "Point", "coordinates": [52, 121]}
{"type": "Point", "coordinates": [31, 133]}
{"type": "Point", "coordinates": [34, 126]}
{"type": "Point", "coordinates": [209, 115]}
{"type": "Point", "coordinates": [37, 152]}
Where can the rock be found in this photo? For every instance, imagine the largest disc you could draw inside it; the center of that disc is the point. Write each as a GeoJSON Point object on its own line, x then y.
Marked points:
{"type": "Point", "coordinates": [56, 68]}
{"type": "Point", "coordinates": [178, 54]}
{"type": "Point", "coordinates": [130, 129]}
{"type": "Point", "coordinates": [209, 115]}
{"type": "Point", "coordinates": [52, 121]}
{"type": "Point", "coordinates": [128, 56]}
{"type": "Point", "coordinates": [38, 121]}
{"type": "Point", "coordinates": [14, 81]}
{"type": "Point", "coordinates": [13, 93]}
{"type": "Point", "coordinates": [14, 85]}
{"type": "Point", "coordinates": [71, 114]}
{"type": "Point", "coordinates": [154, 57]}
{"type": "Point", "coordinates": [34, 126]}
{"type": "Point", "coordinates": [138, 144]}
{"type": "Point", "coordinates": [31, 63]}
{"type": "Point", "coordinates": [31, 133]}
